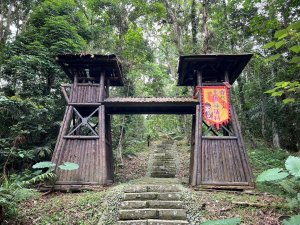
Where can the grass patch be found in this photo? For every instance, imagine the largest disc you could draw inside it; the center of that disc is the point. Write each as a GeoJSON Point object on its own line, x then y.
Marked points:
{"type": "Point", "coordinates": [64, 208]}
{"type": "Point", "coordinates": [264, 158]}
{"type": "Point", "coordinates": [252, 209]}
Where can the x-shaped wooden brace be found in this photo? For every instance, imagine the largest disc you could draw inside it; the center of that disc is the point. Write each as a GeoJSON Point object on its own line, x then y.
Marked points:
{"type": "Point", "coordinates": [210, 129]}
{"type": "Point", "coordinates": [84, 122]}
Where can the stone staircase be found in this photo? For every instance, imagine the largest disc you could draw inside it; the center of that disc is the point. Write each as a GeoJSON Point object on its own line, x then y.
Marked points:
{"type": "Point", "coordinates": [163, 163]}
{"type": "Point", "coordinates": [156, 199]}
{"type": "Point", "coordinates": [152, 205]}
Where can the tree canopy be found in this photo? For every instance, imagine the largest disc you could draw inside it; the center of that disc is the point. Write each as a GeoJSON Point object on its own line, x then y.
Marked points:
{"type": "Point", "coordinates": [148, 36]}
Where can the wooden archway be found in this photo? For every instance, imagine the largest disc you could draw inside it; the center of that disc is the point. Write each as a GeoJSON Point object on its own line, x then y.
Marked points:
{"type": "Point", "coordinates": [217, 159]}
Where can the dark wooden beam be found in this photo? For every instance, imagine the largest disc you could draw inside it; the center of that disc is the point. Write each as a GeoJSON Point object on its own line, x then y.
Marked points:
{"type": "Point", "coordinates": [63, 89]}
{"type": "Point", "coordinates": [219, 137]}
{"type": "Point", "coordinates": [80, 137]}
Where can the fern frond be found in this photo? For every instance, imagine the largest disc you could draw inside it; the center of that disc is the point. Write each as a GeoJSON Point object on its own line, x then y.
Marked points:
{"type": "Point", "coordinates": [39, 178]}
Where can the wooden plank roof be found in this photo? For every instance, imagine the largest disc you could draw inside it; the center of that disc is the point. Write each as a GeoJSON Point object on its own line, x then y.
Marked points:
{"type": "Point", "coordinates": [163, 105]}
{"type": "Point", "coordinates": [212, 66]}
{"type": "Point", "coordinates": [150, 99]}
{"type": "Point", "coordinates": [88, 65]}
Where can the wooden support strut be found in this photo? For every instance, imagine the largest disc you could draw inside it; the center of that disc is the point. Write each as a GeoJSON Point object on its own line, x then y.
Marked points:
{"type": "Point", "coordinates": [196, 178]}
{"type": "Point", "coordinates": [102, 141]}
{"type": "Point", "coordinates": [192, 149]}
{"type": "Point", "coordinates": [240, 141]}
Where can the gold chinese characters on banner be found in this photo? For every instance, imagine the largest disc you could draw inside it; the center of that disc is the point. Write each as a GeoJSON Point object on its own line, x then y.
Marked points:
{"type": "Point", "coordinates": [216, 106]}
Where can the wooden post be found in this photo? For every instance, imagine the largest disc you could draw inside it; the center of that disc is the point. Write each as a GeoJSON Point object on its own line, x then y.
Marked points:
{"type": "Point", "coordinates": [197, 172]}
{"type": "Point", "coordinates": [237, 131]}
{"type": "Point", "coordinates": [226, 79]}
{"type": "Point", "coordinates": [246, 163]}
{"type": "Point", "coordinates": [102, 87]}
{"type": "Point", "coordinates": [192, 148]}
{"type": "Point", "coordinates": [102, 144]}
{"type": "Point", "coordinates": [73, 89]}
{"type": "Point", "coordinates": [108, 141]}
{"type": "Point", "coordinates": [102, 141]}
{"type": "Point", "coordinates": [109, 149]}
{"type": "Point", "coordinates": [107, 88]}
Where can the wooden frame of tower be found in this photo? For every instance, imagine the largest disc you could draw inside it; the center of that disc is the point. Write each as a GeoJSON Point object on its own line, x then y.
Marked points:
{"type": "Point", "coordinates": [218, 159]}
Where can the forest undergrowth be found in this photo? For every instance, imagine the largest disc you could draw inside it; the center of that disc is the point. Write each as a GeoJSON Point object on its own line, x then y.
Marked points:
{"type": "Point", "coordinates": [263, 205]}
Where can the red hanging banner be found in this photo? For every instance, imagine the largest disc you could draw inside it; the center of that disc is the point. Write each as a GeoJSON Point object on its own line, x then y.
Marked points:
{"type": "Point", "coordinates": [216, 105]}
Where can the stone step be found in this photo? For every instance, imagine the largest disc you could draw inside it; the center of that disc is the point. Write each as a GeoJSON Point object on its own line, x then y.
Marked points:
{"type": "Point", "coordinates": [163, 163]}
{"type": "Point", "coordinates": [154, 204]}
{"type": "Point", "coordinates": [164, 167]}
{"type": "Point", "coordinates": [164, 154]}
{"type": "Point", "coordinates": [136, 189]}
{"type": "Point", "coordinates": [155, 175]}
{"type": "Point", "coordinates": [164, 171]}
{"type": "Point", "coordinates": [164, 159]}
{"type": "Point", "coordinates": [151, 188]}
{"type": "Point", "coordinates": [164, 188]}
{"type": "Point", "coordinates": [166, 222]}
{"type": "Point", "coordinates": [134, 205]}
{"type": "Point", "coordinates": [137, 214]}
{"type": "Point", "coordinates": [153, 222]}
{"type": "Point", "coordinates": [166, 144]}
{"type": "Point", "coordinates": [165, 204]}
{"type": "Point", "coordinates": [169, 196]}
{"type": "Point", "coordinates": [140, 196]}
{"type": "Point", "coordinates": [171, 172]}
{"type": "Point", "coordinates": [172, 214]}
{"type": "Point", "coordinates": [163, 174]}
{"type": "Point", "coordinates": [166, 214]}
{"type": "Point", "coordinates": [162, 150]}
{"type": "Point", "coordinates": [133, 222]}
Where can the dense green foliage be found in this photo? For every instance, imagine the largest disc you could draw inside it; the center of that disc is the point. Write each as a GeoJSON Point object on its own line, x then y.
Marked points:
{"type": "Point", "coordinates": [148, 36]}
{"type": "Point", "coordinates": [288, 179]}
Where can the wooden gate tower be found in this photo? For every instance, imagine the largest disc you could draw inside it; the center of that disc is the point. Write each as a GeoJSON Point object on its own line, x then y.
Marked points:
{"type": "Point", "coordinates": [85, 137]}
{"type": "Point", "coordinates": [218, 157]}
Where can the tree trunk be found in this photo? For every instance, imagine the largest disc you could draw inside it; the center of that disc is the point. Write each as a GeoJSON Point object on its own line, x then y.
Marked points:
{"type": "Point", "coordinates": [176, 27]}
{"type": "Point", "coordinates": [276, 142]}
{"type": "Point", "coordinates": [120, 143]}
{"type": "Point", "coordinates": [207, 34]}
{"type": "Point", "coordinates": [194, 26]}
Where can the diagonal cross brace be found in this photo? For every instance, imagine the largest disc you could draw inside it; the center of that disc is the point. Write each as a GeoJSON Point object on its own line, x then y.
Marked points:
{"type": "Point", "coordinates": [84, 121]}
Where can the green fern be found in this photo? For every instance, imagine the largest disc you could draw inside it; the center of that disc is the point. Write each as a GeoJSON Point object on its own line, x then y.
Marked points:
{"type": "Point", "coordinates": [272, 175]}
{"type": "Point", "coordinates": [231, 221]}
{"type": "Point", "coordinates": [291, 184]}
{"type": "Point", "coordinates": [288, 186]}
{"type": "Point", "coordinates": [292, 203]}
{"type": "Point", "coordinates": [39, 178]}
